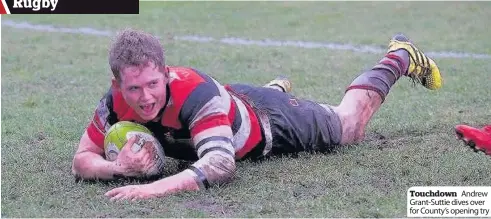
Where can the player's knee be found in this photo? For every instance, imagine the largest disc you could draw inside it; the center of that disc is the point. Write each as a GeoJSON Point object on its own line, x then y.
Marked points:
{"type": "Point", "coordinates": [359, 135]}
{"type": "Point", "coordinates": [354, 133]}
{"type": "Point", "coordinates": [353, 128]}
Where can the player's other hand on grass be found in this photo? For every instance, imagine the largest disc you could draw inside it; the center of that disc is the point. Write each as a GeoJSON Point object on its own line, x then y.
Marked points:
{"type": "Point", "coordinates": [131, 192]}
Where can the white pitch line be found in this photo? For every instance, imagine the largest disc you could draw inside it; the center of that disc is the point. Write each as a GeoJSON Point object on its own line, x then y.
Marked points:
{"type": "Point", "coordinates": [242, 41]}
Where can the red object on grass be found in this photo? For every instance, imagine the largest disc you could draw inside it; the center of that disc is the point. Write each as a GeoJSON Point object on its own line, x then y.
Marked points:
{"type": "Point", "coordinates": [477, 139]}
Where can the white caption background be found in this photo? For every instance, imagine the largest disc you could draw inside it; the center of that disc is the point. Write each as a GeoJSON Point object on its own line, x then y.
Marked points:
{"type": "Point", "coordinates": [449, 201]}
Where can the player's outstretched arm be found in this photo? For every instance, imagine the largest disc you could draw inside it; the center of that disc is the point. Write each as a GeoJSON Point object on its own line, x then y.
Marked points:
{"type": "Point", "coordinates": [213, 168]}
{"type": "Point", "coordinates": [183, 181]}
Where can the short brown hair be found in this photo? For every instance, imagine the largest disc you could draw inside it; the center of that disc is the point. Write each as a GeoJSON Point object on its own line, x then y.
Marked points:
{"type": "Point", "coordinates": [134, 48]}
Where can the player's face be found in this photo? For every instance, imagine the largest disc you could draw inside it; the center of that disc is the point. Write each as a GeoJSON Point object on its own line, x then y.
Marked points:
{"type": "Point", "coordinates": [144, 89]}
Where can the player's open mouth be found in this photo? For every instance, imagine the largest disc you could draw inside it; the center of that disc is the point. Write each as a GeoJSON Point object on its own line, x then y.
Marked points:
{"type": "Point", "coordinates": [147, 108]}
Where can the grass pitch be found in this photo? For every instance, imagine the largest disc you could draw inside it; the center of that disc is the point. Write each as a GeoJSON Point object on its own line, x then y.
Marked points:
{"type": "Point", "coordinates": [51, 83]}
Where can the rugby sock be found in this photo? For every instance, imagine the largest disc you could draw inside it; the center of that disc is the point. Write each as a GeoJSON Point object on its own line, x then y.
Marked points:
{"type": "Point", "coordinates": [383, 75]}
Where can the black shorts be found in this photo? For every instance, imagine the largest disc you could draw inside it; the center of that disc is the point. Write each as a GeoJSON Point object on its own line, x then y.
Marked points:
{"type": "Point", "coordinates": [296, 124]}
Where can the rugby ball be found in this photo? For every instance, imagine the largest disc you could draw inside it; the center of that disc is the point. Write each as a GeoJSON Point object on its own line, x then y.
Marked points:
{"type": "Point", "coordinates": [119, 133]}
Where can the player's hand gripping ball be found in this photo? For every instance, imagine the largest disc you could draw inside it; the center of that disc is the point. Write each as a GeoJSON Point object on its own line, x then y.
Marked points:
{"type": "Point", "coordinates": [117, 136]}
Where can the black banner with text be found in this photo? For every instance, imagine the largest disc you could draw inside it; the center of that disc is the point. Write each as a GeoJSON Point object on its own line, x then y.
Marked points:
{"type": "Point", "coordinates": [70, 7]}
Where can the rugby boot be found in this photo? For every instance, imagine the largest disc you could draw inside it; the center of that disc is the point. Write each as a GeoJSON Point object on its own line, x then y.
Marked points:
{"type": "Point", "coordinates": [477, 139]}
{"type": "Point", "coordinates": [281, 82]}
{"type": "Point", "coordinates": [421, 68]}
